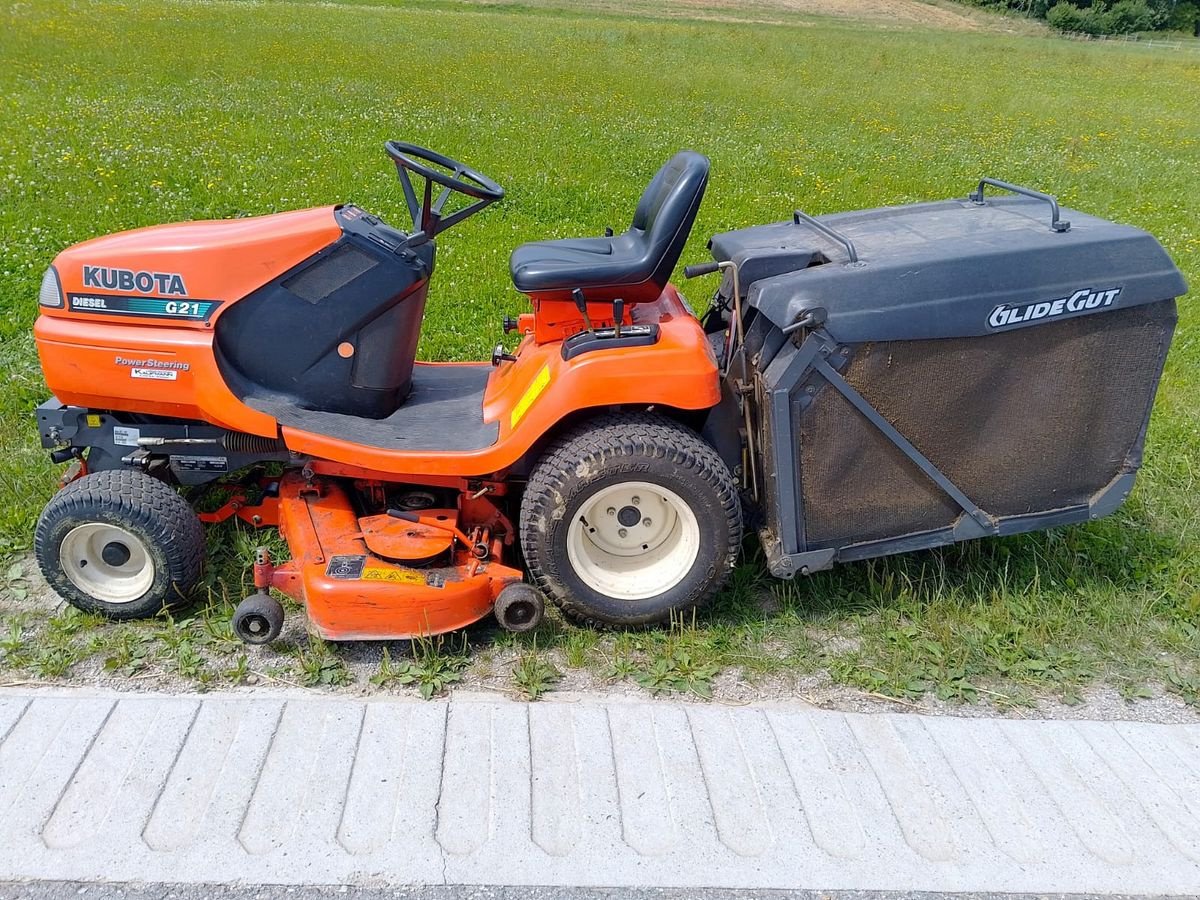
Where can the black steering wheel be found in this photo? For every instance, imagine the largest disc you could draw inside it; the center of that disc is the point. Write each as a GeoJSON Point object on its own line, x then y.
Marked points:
{"type": "Point", "coordinates": [454, 178]}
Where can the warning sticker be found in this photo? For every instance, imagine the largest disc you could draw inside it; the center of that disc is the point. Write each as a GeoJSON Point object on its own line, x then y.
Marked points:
{"type": "Point", "coordinates": [356, 568]}
{"type": "Point", "coordinates": [395, 576]}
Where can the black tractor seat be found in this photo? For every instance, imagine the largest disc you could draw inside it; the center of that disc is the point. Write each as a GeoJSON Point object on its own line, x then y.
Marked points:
{"type": "Point", "coordinates": [633, 266]}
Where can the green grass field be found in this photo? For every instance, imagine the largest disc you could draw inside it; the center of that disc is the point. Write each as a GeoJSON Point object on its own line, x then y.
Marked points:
{"type": "Point", "coordinates": [121, 114]}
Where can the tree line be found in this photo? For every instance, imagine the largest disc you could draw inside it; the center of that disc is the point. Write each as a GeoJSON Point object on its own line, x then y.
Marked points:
{"type": "Point", "coordinates": [1109, 16]}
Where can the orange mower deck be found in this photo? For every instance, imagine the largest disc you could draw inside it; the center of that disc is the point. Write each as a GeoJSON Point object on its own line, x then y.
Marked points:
{"type": "Point", "coordinates": [351, 593]}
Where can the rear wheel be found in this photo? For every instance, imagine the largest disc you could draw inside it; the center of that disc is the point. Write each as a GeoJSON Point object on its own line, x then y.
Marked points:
{"type": "Point", "coordinates": [629, 520]}
{"type": "Point", "coordinates": [121, 544]}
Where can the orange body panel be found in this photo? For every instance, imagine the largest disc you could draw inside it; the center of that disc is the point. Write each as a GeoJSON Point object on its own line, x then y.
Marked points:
{"type": "Point", "coordinates": [376, 599]}
{"type": "Point", "coordinates": [554, 320]}
{"type": "Point", "coordinates": [678, 371]}
{"type": "Point", "coordinates": [221, 260]}
{"type": "Point", "coordinates": [89, 357]}
{"type": "Point", "coordinates": [83, 366]}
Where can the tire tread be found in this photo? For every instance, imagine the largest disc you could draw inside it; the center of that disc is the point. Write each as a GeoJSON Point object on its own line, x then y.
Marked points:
{"type": "Point", "coordinates": [142, 500]}
{"type": "Point", "coordinates": [623, 435]}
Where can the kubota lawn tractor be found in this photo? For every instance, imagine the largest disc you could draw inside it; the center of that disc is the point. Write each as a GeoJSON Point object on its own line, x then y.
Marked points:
{"type": "Point", "coordinates": [861, 384]}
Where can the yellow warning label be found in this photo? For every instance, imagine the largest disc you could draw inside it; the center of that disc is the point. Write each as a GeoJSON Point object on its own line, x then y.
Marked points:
{"type": "Point", "coordinates": [93, 420]}
{"type": "Point", "coordinates": [395, 576]}
{"type": "Point", "coordinates": [531, 393]}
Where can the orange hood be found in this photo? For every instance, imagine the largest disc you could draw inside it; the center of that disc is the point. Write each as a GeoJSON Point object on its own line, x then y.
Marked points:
{"type": "Point", "coordinates": [220, 261]}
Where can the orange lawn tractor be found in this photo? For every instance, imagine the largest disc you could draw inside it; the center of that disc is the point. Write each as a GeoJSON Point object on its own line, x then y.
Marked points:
{"type": "Point", "coordinates": [861, 384]}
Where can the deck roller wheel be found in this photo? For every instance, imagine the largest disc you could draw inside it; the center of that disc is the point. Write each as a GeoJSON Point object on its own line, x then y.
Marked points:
{"type": "Point", "coordinates": [519, 608]}
{"type": "Point", "coordinates": [258, 619]}
{"type": "Point", "coordinates": [630, 519]}
{"type": "Point", "coordinates": [120, 543]}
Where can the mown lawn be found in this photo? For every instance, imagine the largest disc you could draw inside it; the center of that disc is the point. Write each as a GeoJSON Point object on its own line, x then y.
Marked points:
{"type": "Point", "coordinates": [121, 114]}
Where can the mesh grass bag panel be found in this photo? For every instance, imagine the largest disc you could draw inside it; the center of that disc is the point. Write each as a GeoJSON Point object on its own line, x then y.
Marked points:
{"type": "Point", "coordinates": [1023, 421]}
{"type": "Point", "coordinates": [857, 484]}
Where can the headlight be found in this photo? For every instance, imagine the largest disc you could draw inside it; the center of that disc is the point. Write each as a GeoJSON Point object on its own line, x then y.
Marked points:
{"type": "Point", "coordinates": [51, 293]}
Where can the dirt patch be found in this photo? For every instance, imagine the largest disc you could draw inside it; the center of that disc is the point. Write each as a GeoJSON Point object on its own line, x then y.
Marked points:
{"type": "Point", "coordinates": [877, 13]}
{"type": "Point", "coordinates": [898, 12]}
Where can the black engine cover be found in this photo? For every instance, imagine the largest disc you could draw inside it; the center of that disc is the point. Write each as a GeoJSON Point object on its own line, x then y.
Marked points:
{"type": "Point", "coordinates": [337, 333]}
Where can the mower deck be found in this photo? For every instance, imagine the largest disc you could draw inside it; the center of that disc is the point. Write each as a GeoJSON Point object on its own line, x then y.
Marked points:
{"type": "Point", "coordinates": [351, 592]}
{"type": "Point", "coordinates": [444, 411]}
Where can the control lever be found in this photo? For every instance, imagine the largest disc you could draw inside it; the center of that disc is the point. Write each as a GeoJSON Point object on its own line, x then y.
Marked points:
{"type": "Point", "coordinates": [581, 305]}
{"type": "Point", "coordinates": [499, 356]}
{"type": "Point", "coordinates": [618, 316]}
{"type": "Point", "coordinates": [698, 269]}
{"type": "Point", "coordinates": [735, 332]}
{"type": "Point", "coordinates": [58, 457]}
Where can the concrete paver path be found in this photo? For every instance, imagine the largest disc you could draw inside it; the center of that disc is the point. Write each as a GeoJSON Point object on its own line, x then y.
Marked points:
{"type": "Point", "coordinates": [306, 789]}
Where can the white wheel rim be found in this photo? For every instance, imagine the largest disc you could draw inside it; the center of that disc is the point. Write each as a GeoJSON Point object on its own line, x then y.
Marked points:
{"type": "Point", "coordinates": [626, 559]}
{"type": "Point", "coordinates": [107, 562]}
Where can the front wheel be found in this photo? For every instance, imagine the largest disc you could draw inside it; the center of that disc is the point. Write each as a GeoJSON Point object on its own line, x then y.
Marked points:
{"type": "Point", "coordinates": [629, 520]}
{"type": "Point", "coordinates": [120, 543]}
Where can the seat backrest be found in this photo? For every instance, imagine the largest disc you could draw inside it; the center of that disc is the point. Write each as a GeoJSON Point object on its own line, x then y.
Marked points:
{"type": "Point", "coordinates": [667, 209]}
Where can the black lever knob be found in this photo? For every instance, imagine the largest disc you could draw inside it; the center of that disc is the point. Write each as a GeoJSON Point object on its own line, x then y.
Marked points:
{"type": "Point", "coordinates": [499, 356]}
{"type": "Point", "coordinates": [698, 269]}
{"type": "Point", "coordinates": [581, 305]}
{"type": "Point", "coordinates": [510, 324]}
{"type": "Point", "coordinates": [618, 316]}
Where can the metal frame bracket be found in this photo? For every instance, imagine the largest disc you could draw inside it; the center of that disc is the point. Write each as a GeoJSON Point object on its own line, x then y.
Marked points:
{"type": "Point", "coordinates": [859, 402]}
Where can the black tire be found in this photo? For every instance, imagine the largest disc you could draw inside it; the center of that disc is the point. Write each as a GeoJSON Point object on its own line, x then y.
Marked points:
{"type": "Point", "coordinates": [258, 619]}
{"type": "Point", "coordinates": [628, 448]}
{"type": "Point", "coordinates": [159, 526]}
{"type": "Point", "coordinates": [519, 608]}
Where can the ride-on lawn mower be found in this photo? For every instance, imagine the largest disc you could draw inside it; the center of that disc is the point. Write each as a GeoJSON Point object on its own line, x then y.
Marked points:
{"type": "Point", "coordinates": [861, 384]}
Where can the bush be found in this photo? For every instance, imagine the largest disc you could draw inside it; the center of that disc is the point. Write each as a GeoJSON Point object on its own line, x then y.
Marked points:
{"type": "Point", "coordinates": [1105, 16]}
{"type": "Point", "coordinates": [1035, 8]}
{"type": "Point", "coordinates": [1066, 17]}
{"type": "Point", "coordinates": [1128, 16]}
{"type": "Point", "coordinates": [1185, 16]}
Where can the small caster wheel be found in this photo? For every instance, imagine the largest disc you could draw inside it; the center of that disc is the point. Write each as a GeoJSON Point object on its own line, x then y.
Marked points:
{"type": "Point", "coordinates": [519, 608]}
{"type": "Point", "coordinates": [258, 619]}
